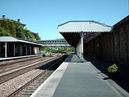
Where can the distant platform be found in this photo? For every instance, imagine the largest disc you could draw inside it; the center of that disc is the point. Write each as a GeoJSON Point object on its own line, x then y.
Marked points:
{"type": "Point", "coordinates": [77, 79]}
{"type": "Point", "coordinates": [18, 57]}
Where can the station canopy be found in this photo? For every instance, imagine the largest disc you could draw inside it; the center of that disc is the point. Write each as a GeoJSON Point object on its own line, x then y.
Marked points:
{"type": "Point", "coordinates": [73, 30]}
{"type": "Point", "coordinates": [12, 39]}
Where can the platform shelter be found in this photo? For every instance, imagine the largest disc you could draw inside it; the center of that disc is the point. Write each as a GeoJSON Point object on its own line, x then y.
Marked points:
{"type": "Point", "coordinates": [12, 47]}
{"type": "Point", "coordinates": [78, 33]}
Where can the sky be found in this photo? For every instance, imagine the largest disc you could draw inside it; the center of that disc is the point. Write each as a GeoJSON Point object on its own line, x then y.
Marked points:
{"type": "Point", "coordinates": [44, 16]}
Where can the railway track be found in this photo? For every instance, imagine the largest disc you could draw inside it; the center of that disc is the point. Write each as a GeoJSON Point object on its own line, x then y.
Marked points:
{"type": "Point", "coordinates": [8, 67]}
{"type": "Point", "coordinates": [12, 72]}
{"type": "Point", "coordinates": [27, 89]}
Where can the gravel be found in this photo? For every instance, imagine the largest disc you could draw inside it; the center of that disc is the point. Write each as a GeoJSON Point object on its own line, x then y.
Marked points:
{"type": "Point", "coordinates": [20, 64]}
{"type": "Point", "coordinates": [13, 84]}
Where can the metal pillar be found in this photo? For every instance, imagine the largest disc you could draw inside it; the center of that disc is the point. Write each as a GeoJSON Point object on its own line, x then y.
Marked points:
{"type": "Point", "coordinates": [5, 50]}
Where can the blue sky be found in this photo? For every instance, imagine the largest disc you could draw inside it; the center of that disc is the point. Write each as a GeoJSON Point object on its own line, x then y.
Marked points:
{"type": "Point", "coordinates": [43, 16]}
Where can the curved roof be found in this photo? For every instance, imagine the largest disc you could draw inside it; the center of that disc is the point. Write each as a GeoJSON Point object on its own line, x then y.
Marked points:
{"type": "Point", "coordinates": [83, 26]}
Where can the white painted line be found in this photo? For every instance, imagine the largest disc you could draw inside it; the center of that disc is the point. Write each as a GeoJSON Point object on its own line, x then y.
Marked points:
{"type": "Point", "coordinates": [48, 88]}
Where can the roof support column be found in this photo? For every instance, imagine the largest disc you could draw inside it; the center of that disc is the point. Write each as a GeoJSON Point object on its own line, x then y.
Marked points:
{"type": "Point", "coordinates": [5, 49]}
{"type": "Point", "coordinates": [82, 47]}
{"type": "Point", "coordinates": [79, 47]}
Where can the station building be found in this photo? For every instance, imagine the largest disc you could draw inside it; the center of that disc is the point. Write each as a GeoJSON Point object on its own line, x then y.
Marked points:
{"type": "Point", "coordinates": [97, 40]}
{"type": "Point", "coordinates": [13, 47]}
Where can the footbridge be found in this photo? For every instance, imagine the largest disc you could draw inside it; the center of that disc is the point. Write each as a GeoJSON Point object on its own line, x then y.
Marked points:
{"type": "Point", "coordinates": [54, 43]}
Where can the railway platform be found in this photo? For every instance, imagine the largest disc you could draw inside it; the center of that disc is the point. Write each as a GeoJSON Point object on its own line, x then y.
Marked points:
{"type": "Point", "coordinates": [18, 57]}
{"type": "Point", "coordinates": [75, 78]}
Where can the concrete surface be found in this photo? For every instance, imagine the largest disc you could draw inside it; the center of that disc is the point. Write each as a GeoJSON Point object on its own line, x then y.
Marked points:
{"type": "Point", "coordinates": [76, 79]}
{"type": "Point", "coordinates": [82, 80]}
{"type": "Point", "coordinates": [73, 58]}
{"type": "Point", "coordinates": [48, 88]}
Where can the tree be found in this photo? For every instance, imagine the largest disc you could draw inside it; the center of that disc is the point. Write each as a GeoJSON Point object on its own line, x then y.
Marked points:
{"type": "Point", "coordinates": [4, 32]}
{"type": "Point", "coordinates": [14, 28]}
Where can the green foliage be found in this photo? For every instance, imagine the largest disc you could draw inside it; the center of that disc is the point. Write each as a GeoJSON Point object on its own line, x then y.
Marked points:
{"type": "Point", "coordinates": [113, 68]}
{"type": "Point", "coordinates": [13, 28]}
{"type": "Point", "coordinates": [8, 25]}
{"type": "Point", "coordinates": [46, 49]}
{"type": "Point", "coordinates": [57, 50]}
{"type": "Point", "coordinates": [4, 32]}
{"type": "Point", "coordinates": [36, 36]}
{"type": "Point", "coordinates": [28, 35]}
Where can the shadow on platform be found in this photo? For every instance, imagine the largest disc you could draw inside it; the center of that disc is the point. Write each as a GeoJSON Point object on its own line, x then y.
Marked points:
{"type": "Point", "coordinates": [122, 79]}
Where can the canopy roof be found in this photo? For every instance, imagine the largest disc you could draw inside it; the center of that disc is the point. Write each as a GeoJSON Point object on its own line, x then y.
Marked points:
{"type": "Point", "coordinates": [83, 26]}
{"type": "Point", "coordinates": [72, 30]}
{"type": "Point", "coordinates": [12, 39]}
